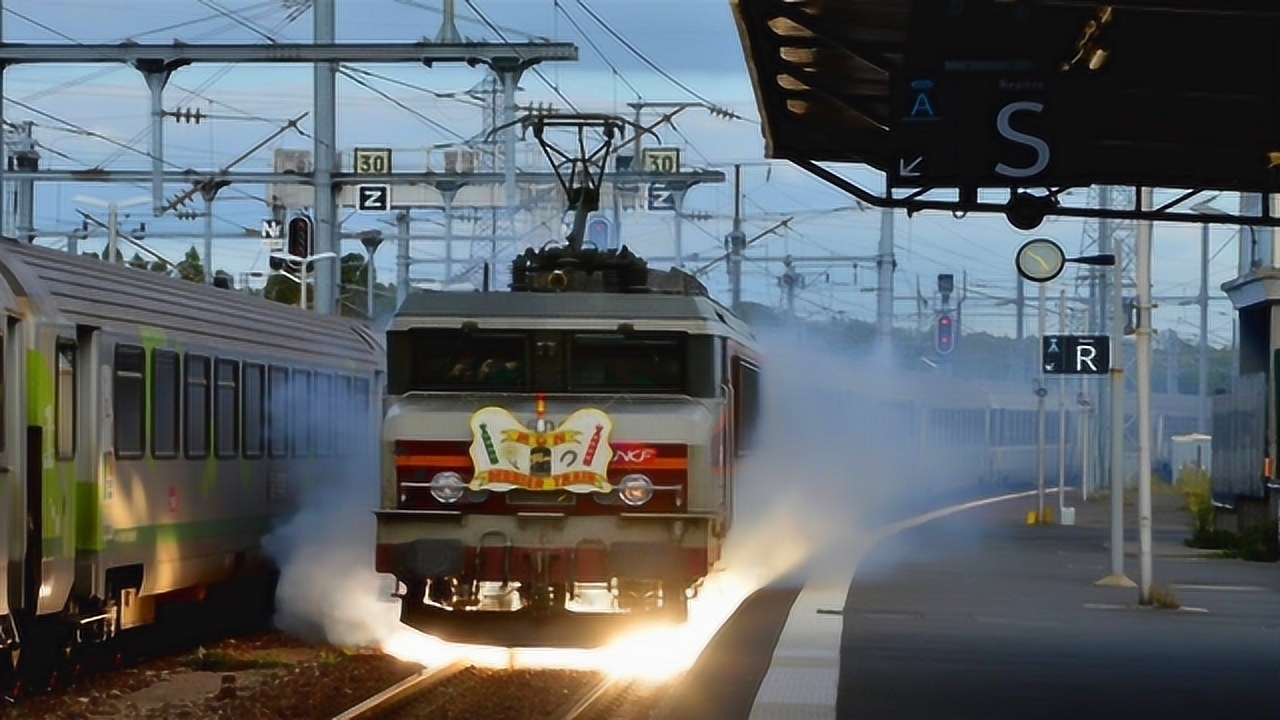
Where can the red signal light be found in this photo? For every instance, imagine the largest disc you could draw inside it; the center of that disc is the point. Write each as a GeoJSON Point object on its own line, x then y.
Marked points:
{"type": "Point", "coordinates": [944, 341]}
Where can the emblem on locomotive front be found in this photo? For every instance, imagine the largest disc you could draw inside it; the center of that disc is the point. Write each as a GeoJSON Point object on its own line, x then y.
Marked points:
{"type": "Point", "coordinates": [508, 455]}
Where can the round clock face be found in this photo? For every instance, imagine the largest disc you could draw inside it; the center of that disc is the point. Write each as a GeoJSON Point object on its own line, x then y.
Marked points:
{"type": "Point", "coordinates": [1040, 260]}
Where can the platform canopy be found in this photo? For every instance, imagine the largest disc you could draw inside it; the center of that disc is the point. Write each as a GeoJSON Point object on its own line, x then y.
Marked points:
{"type": "Point", "coordinates": [1023, 93]}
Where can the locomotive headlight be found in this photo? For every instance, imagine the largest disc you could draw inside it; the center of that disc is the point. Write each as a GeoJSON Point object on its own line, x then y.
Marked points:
{"type": "Point", "coordinates": [447, 487]}
{"type": "Point", "coordinates": [635, 489]}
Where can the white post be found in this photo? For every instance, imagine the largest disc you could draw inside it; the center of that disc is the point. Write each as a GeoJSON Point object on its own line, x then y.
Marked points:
{"type": "Point", "coordinates": [1117, 578]}
{"type": "Point", "coordinates": [1142, 336]}
{"type": "Point", "coordinates": [1202, 414]}
{"type": "Point", "coordinates": [1040, 393]}
{"type": "Point", "coordinates": [302, 285]}
{"type": "Point", "coordinates": [1062, 411]}
{"type": "Point", "coordinates": [1085, 475]}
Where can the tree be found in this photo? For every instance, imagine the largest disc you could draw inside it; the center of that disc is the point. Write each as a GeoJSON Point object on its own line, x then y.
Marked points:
{"type": "Point", "coordinates": [353, 292]}
{"type": "Point", "coordinates": [141, 263]}
{"type": "Point", "coordinates": [191, 267]}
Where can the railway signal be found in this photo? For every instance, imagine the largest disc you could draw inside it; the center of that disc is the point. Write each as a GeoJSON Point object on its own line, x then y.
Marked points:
{"type": "Point", "coordinates": [301, 243]}
{"type": "Point", "coordinates": [945, 340]}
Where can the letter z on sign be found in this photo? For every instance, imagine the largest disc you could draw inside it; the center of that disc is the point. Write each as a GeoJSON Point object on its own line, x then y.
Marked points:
{"type": "Point", "coordinates": [373, 198]}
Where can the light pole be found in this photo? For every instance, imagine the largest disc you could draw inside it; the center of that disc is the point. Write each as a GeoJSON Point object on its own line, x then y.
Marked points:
{"type": "Point", "coordinates": [302, 270]}
{"type": "Point", "coordinates": [1142, 347]}
{"type": "Point", "coordinates": [113, 209]}
{"type": "Point", "coordinates": [1202, 299]}
{"type": "Point", "coordinates": [371, 239]}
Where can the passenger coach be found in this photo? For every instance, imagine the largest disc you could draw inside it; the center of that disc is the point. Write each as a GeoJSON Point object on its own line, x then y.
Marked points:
{"type": "Point", "coordinates": [152, 432]}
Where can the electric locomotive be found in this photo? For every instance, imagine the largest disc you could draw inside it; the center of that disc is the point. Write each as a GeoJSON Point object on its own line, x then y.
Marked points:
{"type": "Point", "coordinates": [561, 456]}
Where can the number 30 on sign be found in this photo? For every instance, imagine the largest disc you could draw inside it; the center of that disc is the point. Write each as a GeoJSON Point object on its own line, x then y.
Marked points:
{"type": "Point", "coordinates": [372, 161]}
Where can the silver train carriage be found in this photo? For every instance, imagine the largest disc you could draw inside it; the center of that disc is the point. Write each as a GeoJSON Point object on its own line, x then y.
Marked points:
{"type": "Point", "coordinates": [951, 435]}
{"type": "Point", "coordinates": [152, 432]}
{"type": "Point", "coordinates": [559, 456]}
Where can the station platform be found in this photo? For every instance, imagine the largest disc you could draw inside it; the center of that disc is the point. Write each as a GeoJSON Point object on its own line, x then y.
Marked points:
{"type": "Point", "coordinates": [969, 612]}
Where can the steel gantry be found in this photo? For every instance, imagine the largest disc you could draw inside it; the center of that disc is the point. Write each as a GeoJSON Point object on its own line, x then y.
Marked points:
{"type": "Point", "coordinates": [158, 61]}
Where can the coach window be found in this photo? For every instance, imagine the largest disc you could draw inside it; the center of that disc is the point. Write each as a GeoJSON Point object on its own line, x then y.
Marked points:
{"type": "Point", "coordinates": [254, 408]}
{"type": "Point", "coordinates": [165, 391]}
{"type": "Point", "coordinates": [66, 400]}
{"type": "Point", "coordinates": [130, 393]}
{"type": "Point", "coordinates": [226, 406]}
{"type": "Point", "coordinates": [746, 411]}
{"type": "Point", "coordinates": [326, 412]}
{"type": "Point", "coordinates": [197, 407]}
{"type": "Point", "coordinates": [361, 414]}
{"type": "Point", "coordinates": [344, 409]}
{"type": "Point", "coordinates": [278, 412]}
{"type": "Point", "coordinates": [302, 415]}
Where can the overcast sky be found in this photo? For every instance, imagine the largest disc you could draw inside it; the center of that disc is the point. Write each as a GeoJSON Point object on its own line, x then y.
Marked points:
{"type": "Point", "coordinates": [693, 41]}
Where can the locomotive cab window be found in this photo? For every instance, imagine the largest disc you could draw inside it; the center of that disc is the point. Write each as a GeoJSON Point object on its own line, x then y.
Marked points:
{"type": "Point", "coordinates": [428, 359]}
{"type": "Point", "coordinates": [746, 411]}
{"type": "Point", "coordinates": [130, 394]}
{"type": "Point", "coordinates": [632, 362]}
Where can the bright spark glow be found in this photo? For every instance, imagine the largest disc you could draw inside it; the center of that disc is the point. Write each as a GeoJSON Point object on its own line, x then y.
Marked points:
{"type": "Point", "coordinates": [653, 654]}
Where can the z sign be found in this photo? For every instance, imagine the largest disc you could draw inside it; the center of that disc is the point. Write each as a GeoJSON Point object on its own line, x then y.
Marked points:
{"type": "Point", "coordinates": [373, 198]}
{"type": "Point", "coordinates": [661, 197]}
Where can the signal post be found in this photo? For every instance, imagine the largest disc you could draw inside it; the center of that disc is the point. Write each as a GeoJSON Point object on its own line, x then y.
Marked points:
{"type": "Point", "coordinates": [1040, 261]}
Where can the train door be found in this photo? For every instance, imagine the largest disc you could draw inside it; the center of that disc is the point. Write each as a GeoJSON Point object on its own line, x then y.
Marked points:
{"type": "Point", "coordinates": [12, 498]}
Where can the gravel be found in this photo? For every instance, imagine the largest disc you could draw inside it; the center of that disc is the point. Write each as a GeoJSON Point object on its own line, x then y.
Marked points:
{"type": "Point", "coordinates": [268, 675]}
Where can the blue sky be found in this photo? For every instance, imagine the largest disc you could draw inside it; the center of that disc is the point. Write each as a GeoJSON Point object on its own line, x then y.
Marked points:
{"type": "Point", "coordinates": [693, 40]}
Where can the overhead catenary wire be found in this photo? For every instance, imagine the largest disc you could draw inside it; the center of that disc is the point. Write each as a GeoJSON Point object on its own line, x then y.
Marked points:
{"type": "Point", "coordinates": [559, 8]}
{"type": "Point", "coordinates": [650, 63]}
{"type": "Point", "coordinates": [542, 76]}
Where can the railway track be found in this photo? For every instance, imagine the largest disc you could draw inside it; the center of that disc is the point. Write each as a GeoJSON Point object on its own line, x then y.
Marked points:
{"type": "Point", "coordinates": [401, 693]}
{"type": "Point", "coordinates": [461, 690]}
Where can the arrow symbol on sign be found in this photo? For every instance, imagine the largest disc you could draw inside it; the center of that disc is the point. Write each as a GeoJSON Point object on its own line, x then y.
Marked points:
{"type": "Point", "coordinates": [1048, 367]}
{"type": "Point", "coordinates": [906, 170]}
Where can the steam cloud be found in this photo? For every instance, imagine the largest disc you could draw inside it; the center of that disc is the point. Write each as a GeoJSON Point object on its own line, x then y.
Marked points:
{"type": "Point", "coordinates": [827, 467]}
{"type": "Point", "coordinates": [328, 589]}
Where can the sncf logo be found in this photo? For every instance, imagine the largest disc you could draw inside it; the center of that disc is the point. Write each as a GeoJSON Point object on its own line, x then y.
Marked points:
{"type": "Point", "coordinates": [635, 455]}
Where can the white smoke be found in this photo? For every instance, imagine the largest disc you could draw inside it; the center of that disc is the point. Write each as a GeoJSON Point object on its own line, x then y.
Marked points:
{"type": "Point", "coordinates": [827, 467]}
{"type": "Point", "coordinates": [328, 588]}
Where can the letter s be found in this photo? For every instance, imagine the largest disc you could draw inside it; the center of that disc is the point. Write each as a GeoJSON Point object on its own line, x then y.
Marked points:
{"type": "Point", "coordinates": [1040, 146]}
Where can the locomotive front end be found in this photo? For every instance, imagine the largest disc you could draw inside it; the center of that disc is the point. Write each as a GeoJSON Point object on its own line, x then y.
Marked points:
{"type": "Point", "coordinates": [586, 482]}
